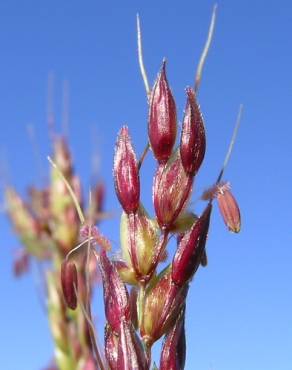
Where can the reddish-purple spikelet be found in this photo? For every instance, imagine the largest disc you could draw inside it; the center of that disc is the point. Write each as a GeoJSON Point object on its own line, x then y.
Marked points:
{"type": "Point", "coordinates": [228, 206]}
{"type": "Point", "coordinates": [126, 173]}
{"type": "Point", "coordinates": [162, 118]}
{"type": "Point", "coordinates": [131, 355]}
{"type": "Point", "coordinates": [171, 190]}
{"type": "Point", "coordinates": [162, 304]}
{"type": "Point", "coordinates": [174, 346]}
{"type": "Point", "coordinates": [69, 283]}
{"type": "Point", "coordinates": [193, 139]}
{"type": "Point", "coordinates": [111, 347]}
{"type": "Point", "coordinates": [229, 210]}
{"type": "Point", "coordinates": [116, 299]}
{"type": "Point", "coordinates": [190, 250]}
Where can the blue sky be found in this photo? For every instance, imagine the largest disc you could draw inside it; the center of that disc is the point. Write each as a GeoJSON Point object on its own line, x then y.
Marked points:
{"type": "Point", "coordinates": [239, 312]}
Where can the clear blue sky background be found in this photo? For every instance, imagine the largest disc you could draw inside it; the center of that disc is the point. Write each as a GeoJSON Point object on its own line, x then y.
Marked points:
{"type": "Point", "coordinates": [239, 312]}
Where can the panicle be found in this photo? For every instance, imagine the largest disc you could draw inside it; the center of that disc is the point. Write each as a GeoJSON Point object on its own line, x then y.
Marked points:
{"type": "Point", "coordinates": [126, 173]}
{"type": "Point", "coordinates": [162, 118]}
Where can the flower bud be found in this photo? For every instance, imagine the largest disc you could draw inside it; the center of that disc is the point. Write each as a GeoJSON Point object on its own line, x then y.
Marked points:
{"type": "Point", "coordinates": [193, 139]}
{"type": "Point", "coordinates": [190, 250]}
{"type": "Point", "coordinates": [69, 282]}
{"type": "Point", "coordinates": [174, 346]}
{"type": "Point", "coordinates": [126, 174]}
{"type": "Point", "coordinates": [171, 190]}
{"type": "Point", "coordinates": [116, 299]}
{"type": "Point", "coordinates": [162, 118]}
{"type": "Point", "coordinates": [139, 235]}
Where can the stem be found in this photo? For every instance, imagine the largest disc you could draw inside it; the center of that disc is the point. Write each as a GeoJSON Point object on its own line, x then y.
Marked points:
{"type": "Point", "coordinates": [141, 303]}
